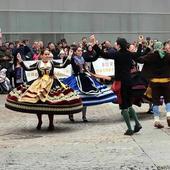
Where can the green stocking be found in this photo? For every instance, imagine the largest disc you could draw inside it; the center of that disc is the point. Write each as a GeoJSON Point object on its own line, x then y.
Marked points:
{"type": "Point", "coordinates": [125, 115]}
{"type": "Point", "coordinates": [133, 114]}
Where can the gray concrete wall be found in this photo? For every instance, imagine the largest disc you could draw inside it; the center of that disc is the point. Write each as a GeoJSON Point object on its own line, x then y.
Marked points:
{"type": "Point", "coordinates": [75, 18]}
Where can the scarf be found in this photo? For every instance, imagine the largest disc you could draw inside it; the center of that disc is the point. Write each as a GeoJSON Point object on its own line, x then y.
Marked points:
{"type": "Point", "coordinates": [158, 46]}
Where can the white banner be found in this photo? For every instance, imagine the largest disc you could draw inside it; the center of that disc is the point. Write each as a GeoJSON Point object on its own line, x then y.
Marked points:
{"type": "Point", "coordinates": [59, 72]}
{"type": "Point", "coordinates": [104, 67]}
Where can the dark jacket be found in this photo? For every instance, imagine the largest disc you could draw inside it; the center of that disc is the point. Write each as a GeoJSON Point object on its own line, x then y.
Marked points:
{"type": "Point", "coordinates": [155, 66]}
{"type": "Point", "coordinates": [123, 63]}
{"type": "Point", "coordinates": [90, 57]}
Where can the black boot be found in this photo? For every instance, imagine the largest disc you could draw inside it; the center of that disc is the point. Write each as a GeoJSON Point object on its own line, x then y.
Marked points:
{"type": "Point", "coordinates": [39, 125]}
{"type": "Point", "coordinates": [51, 125]}
{"type": "Point", "coordinates": [50, 128]}
{"type": "Point", "coordinates": [137, 128]}
{"type": "Point", "coordinates": [84, 114]}
{"type": "Point", "coordinates": [150, 111]}
{"type": "Point", "coordinates": [84, 119]}
{"type": "Point", "coordinates": [129, 132]}
{"type": "Point", "coordinates": [71, 117]}
{"type": "Point", "coordinates": [39, 116]}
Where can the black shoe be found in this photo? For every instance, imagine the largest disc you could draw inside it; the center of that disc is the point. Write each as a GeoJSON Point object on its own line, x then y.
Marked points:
{"type": "Point", "coordinates": [129, 132]}
{"type": "Point", "coordinates": [84, 119]}
{"type": "Point", "coordinates": [71, 118]}
{"type": "Point", "coordinates": [168, 121]}
{"type": "Point", "coordinates": [51, 128]}
{"type": "Point", "coordinates": [150, 111]}
{"type": "Point", "coordinates": [137, 128]}
{"type": "Point", "coordinates": [39, 126]}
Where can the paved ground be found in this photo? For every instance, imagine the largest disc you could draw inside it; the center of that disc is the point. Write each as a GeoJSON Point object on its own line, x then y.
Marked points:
{"type": "Point", "coordinates": [99, 144]}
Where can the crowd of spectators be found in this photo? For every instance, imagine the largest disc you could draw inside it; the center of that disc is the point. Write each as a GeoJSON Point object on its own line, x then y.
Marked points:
{"type": "Point", "coordinates": [31, 51]}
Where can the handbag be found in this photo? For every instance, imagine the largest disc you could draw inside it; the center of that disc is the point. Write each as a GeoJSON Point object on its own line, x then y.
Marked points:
{"type": "Point", "coordinates": [116, 88]}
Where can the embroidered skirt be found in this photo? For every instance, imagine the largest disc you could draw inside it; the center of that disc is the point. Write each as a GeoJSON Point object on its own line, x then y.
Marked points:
{"type": "Point", "coordinates": [46, 96]}
{"type": "Point", "coordinates": [97, 94]}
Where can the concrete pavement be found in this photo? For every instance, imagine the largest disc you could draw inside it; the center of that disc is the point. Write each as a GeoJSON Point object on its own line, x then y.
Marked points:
{"type": "Point", "coordinates": [98, 144]}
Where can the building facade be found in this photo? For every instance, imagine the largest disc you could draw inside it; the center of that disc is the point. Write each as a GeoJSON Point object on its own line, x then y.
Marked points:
{"type": "Point", "coordinates": [51, 20]}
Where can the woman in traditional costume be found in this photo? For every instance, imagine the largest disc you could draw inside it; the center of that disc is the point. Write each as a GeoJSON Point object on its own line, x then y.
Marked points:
{"type": "Point", "coordinates": [84, 82]}
{"type": "Point", "coordinates": [46, 94]}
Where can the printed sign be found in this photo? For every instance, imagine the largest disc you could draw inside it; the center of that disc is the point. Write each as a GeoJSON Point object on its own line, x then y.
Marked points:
{"type": "Point", "coordinates": [104, 67]}
{"type": "Point", "coordinates": [59, 72]}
